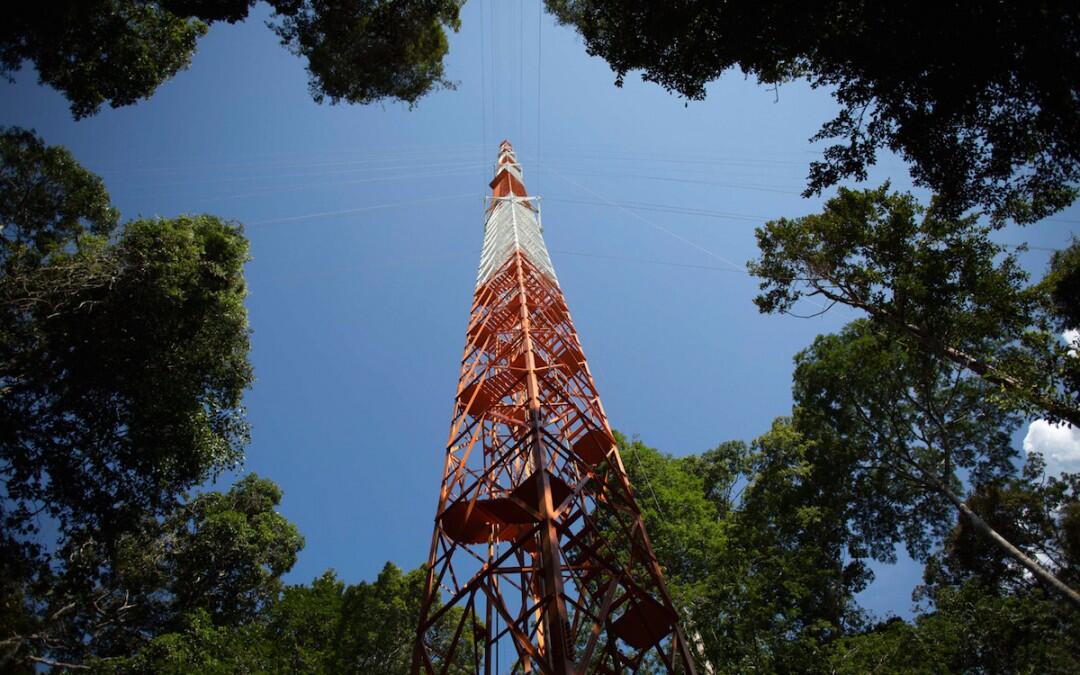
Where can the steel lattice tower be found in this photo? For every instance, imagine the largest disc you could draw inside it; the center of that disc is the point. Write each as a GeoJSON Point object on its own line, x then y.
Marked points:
{"type": "Point", "coordinates": [537, 536]}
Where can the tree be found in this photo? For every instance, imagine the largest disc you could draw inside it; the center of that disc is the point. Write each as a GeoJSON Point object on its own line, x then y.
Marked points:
{"type": "Point", "coordinates": [294, 631]}
{"type": "Point", "coordinates": [218, 557]}
{"type": "Point", "coordinates": [1062, 286]}
{"type": "Point", "coordinates": [790, 523]}
{"type": "Point", "coordinates": [791, 528]}
{"type": "Point", "coordinates": [47, 201]}
{"type": "Point", "coordinates": [378, 627]}
{"type": "Point", "coordinates": [120, 51]}
{"type": "Point", "coordinates": [123, 360]}
{"type": "Point", "coordinates": [685, 530]}
{"type": "Point", "coordinates": [968, 632]}
{"type": "Point", "coordinates": [362, 52]}
{"type": "Point", "coordinates": [1040, 514]}
{"type": "Point", "coordinates": [799, 567]}
{"type": "Point", "coordinates": [683, 523]}
{"type": "Point", "coordinates": [904, 424]}
{"type": "Point", "coordinates": [198, 646]}
{"type": "Point", "coordinates": [226, 551]}
{"type": "Point", "coordinates": [122, 363]}
{"type": "Point", "coordinates": [980, 99]}
{"type": "Point", "coordinates": [324, 627]}
{"type": "Point", "coordinates": [986, 613]}
{"type": "Point", "coordinates": [215, 560]}
{"type": "Point", "coordinates": [752, 550]}
{"type": "Point", "coordinates": [934, 282]}
{"type": "Point", "coordinates": [123, 370]}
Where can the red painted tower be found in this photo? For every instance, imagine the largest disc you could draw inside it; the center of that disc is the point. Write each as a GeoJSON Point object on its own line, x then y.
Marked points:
{"type": "Point", "coordinates": [537, 534]}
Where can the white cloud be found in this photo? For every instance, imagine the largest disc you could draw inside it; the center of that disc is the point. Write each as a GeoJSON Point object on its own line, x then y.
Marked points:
{"type": "Point", "coordinates": [1059, 444]}
{"type": "Point", "coordinates": [1072, 338]}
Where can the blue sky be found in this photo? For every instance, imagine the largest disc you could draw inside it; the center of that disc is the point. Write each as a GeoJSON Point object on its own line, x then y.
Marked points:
{"type": "Point", "coordinates": [366, 224]}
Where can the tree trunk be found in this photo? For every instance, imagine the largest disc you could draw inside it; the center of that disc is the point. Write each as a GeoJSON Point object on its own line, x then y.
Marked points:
{"type": "Point", "coordinates": [1041, 573]}
{"type": "Point", "coordinates": [984, 370]}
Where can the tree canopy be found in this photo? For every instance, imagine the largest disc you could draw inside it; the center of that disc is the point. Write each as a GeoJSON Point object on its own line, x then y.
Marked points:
{"type": "Point", "coordinates": [901, 434]}
{"type": "Point", "coordinates": [123, 370]}
{"type": "Point", "coordinates": [939, 283]}
{"type": "Point", "coordinates": [326, 626]}
{"type": "Point", "coordinates": [751, 548]}
{"type": "Point", "coordinates": [981, 99]}
{"type": "Point", "coordinates": [48, 200]}
{"type": "Point", "coordinates": [778, 591]}
{"type": "Point", "coordinates": [119, 51]}
{"type": "Point", "coordinates": [123, 360]}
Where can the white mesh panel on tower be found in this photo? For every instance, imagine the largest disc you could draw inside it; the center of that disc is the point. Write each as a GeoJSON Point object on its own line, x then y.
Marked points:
{"type": "Point", "coordinates": [513, 223]}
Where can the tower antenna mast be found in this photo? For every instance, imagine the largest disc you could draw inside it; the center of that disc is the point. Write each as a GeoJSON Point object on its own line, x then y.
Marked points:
{"type": "Point", "coordinates": [539, 561]}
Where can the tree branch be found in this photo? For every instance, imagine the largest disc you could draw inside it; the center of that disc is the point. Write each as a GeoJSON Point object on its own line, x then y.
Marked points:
{"type": "Point", "coordinates": [984, 370]}
{"type": "Point", "coordinates": [57, 664]}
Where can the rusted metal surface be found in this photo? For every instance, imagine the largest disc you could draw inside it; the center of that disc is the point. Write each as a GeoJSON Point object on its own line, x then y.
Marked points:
{"type": "Point", "coordinates": [537, 535]}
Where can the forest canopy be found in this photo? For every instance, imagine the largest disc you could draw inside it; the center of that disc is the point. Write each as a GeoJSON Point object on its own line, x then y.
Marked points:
{"type": "Point", "coordinates": [124, 358]}
{"type": "Point", "coordinates": [980, 99]}
{"type": "Point", "coordinates": [117, 52]}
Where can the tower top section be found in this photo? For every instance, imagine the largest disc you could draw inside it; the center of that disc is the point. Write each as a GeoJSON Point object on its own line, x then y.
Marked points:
{"type": "Point", "coordinates": [512, 221]}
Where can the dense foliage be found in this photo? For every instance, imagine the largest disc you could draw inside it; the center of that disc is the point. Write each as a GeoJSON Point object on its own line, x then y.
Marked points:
{"type": "Point", "coordinates": [980, 98]}
{"type": "Point", "coordinates": [777, 590]}
{"type": "Point", "coordinates": [901, 435]}
{"type": "Point", "coordinates": [325, 627]}
{"type": "Point", "coordinates": [770, 585]}
{"type": "Point", "coordinates": [120, 51]}
{"type": "Point", "coordinates": [361, 52]}
{"type": "Point", "coordinates": [956, 348]}
{"type": "Point", "coordinates": [941, 285]}
{"type": "Point", "coordinates": [123, 358]}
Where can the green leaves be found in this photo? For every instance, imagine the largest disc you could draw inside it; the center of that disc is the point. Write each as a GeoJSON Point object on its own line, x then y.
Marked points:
{"type": "Point", "coordinates": [123, 361]}
{"type": "Point", "coordinates": [48, 201]}
{"type": "Point", "coordinates": [361, 52]}
{"type": "Point", "coordinates": [969, 631]}
{"type": "Point", "coordinates": [323, 627]}
{"type": "Point", "coordinates": [230, 550]}
{"type": "Point", "coordinates": [683, 523]}
{"type": "Point", "coordinates": [938, 285]}
{"type": "Point", "coordinates": [884, 252]}
{"type": "Point", "coordinates": [1061, 286]}
{"type": "Point", "coordinates": [197, 646]}
{"type": "Point", "coordinates": [923, 395]}
{"type": "Point", "coordinates": [173, 593]}
{"type": "Point", "coordinates": [979, 100]}
{"type": "Point", "coordinates": [903, 425]}
{"type": "Point", "coordinates": [119, 51]}
{"type": "Point", "coordinates": [126, 360]}
{"type": "Point", "coordinates": [751, 547]}
{"type": "Point", "coordinates": [99, 51]}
